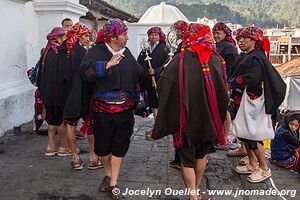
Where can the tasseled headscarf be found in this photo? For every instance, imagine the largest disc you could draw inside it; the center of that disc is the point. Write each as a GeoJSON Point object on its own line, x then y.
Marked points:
{"type": "Point", "coordinates": [52, 41]}
{"type": "Point", "coordinates": [80, 29]}
{"type": "Point", "coordinates": [198, 38]}
{"type": "Point", "coordinates": [221, 26]}
{"type": "Point", "coordinates": [257, 34]}
{"type": "Point", "coordinates": [179, 27]}
{"type": "Point", "coordinates": [156, 29]}
{"type": "Point", "coordinates": [111, 28]}
{"type": "Point", "coordinates": [238, 34]}
{"type": "Point", "coordinates": [75, 32]}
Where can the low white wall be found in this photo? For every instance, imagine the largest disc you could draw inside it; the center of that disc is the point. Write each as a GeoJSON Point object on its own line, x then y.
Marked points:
{"type": "Point", "coordinates": [18, 50]}
{"type": "Point", "coordinates": [26, 24]}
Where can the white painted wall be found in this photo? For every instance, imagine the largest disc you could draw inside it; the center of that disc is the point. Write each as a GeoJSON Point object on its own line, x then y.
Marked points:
{"type": "Point", "coordinates": [16, 99]}
{"type": "Point", "coordinates": [25, 26]}
{"type": "Point", "coordinates": [52, 12]}
{"type": "Point", "coordinates": [12, 54]}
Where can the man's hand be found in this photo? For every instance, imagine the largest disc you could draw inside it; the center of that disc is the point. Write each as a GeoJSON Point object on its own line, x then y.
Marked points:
{"type": "Point", "coordinates": [114, 60]}
{"type": "Point", "coordinates": [151, 72]}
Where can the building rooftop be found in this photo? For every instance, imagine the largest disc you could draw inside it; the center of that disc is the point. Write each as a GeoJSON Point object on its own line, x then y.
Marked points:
{"type": "Point", "coordinates": [108, 10]}
{"type": "Point", "coordinates": [290, 68]}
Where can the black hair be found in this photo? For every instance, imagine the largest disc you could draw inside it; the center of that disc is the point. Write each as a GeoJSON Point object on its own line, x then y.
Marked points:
{"type": "Point", "coordinates": [65, 20]}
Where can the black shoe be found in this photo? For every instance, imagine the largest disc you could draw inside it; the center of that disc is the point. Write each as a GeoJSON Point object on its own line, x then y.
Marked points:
{"type": "Point", "coordinates": [104, 185]}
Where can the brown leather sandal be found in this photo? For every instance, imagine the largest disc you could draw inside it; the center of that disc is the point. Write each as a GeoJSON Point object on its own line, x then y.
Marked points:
{"type": "Point", "coordinates": [104, 185]}
{"type": "Point", "coordinates": [95, 164]}
{"type": "Point", "coordinates": [77, 165]}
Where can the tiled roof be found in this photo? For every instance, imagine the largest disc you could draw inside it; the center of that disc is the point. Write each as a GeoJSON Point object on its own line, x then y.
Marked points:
{"type": "Point", "coordinates": [108, 10]}
{"type": "Point", "coordinates": [290, 68]}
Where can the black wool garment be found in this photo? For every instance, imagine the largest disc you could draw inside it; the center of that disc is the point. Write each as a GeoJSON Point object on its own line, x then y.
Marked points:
{"type": "Point", "coordinates": [124, 76]}
{"type": "Point", "coordinates": [274, 86]}
{"type": "Point", "coordinates": [228, 52]}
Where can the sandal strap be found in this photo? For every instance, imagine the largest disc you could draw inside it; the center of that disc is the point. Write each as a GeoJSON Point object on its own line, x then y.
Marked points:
{"type": "Point", "coordinates": [77, 163]}
{"type": "Point", "coordinates": [93, 162]}
{"type": "Point", "coordinates": [258, 174]}
{"type": "Point", "coordinates": [251, 168]}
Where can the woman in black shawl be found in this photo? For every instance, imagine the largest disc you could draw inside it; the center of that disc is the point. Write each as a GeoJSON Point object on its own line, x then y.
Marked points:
{"type": "Point", "coordinates": [52, 99]}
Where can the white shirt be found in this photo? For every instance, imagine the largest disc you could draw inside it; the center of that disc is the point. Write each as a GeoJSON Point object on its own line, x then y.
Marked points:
{"type": "Point", "coordinates": [155, 44]}
{"type": "Point", "coordinates": [114, 52]}
{"type": "Point", "coordinates": [83, 45]}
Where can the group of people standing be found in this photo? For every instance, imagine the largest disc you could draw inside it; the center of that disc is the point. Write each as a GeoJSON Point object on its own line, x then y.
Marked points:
{"type": "Point", "coordinates": [188, 94]}
{"type": "Point", "coordinates": [57, 67]}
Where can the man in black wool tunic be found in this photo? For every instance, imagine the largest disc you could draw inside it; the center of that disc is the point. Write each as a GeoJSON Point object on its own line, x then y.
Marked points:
{"type": "Point", "coordinates": [159, 54]}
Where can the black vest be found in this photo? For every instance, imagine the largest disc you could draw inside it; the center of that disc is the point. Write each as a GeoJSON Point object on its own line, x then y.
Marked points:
{"type": "Point", "coordinates": [123, 76]}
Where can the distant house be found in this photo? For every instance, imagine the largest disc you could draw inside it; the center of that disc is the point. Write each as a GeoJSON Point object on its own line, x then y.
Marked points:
{"type": "Point", "coordinates": [285, 44]}
{"type": "Point", "coordinates": [284, 49]}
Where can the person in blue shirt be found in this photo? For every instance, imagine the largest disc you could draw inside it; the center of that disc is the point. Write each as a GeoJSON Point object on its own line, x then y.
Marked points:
{"type": "Point", "coordinates": [285, 146]}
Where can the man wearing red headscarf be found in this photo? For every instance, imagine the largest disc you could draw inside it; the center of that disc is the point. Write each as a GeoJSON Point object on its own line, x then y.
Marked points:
{"type": "Point", "coordinates": [255, 72]}
{"type": "Point", "coordinates": [179, 27]}
{"type": "Point", "coordinates": [159, 54]}
{"type": "Point", "coordinates": [77, 44]}
{"type": "Point", "coordinates": [194, 102]}
{"type": "Point", "coordinates": [226, 45]}
{"type": "Point", "coordinates": [115, 76]}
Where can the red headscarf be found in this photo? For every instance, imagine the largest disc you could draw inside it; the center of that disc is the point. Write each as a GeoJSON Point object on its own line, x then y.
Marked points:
{"type": "Point", "coordinates": [156, 29]}
{"type": "Point", "coordinates": [80, 29]}
{"type": "Point", "coordinates": [52, 41]}
{"type": "Point", "coordinates": [198, 38]}
{"type": "Point", "coordinates": [180, 27]}
{"type": "Point", "coordinates": [221, 26]}
{"type": "Point", "coordinates": [257, 34]}
{"type": "Point", "coordinates": [75, 32]}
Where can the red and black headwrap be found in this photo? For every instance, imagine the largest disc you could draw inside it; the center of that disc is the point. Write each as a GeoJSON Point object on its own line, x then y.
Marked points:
{"type": "Point", "coordinates": [52, 41]}
{"type": "Point", "coordinates": [238, 34]}
{"type": "Point", "coordinates": [198, 38]}
{"type": "Point", "coordinates": [179, 27]}
{"type": "Point", "coordinates": [221, 26]}
{"type": "Point", "coordinates": [257, 34]}
{"type": "Point", "coordinates": [156, 29]}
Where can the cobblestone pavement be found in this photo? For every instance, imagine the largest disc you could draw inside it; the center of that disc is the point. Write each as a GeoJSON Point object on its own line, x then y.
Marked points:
{"type": "Point", "coordinates": [26, 174]}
